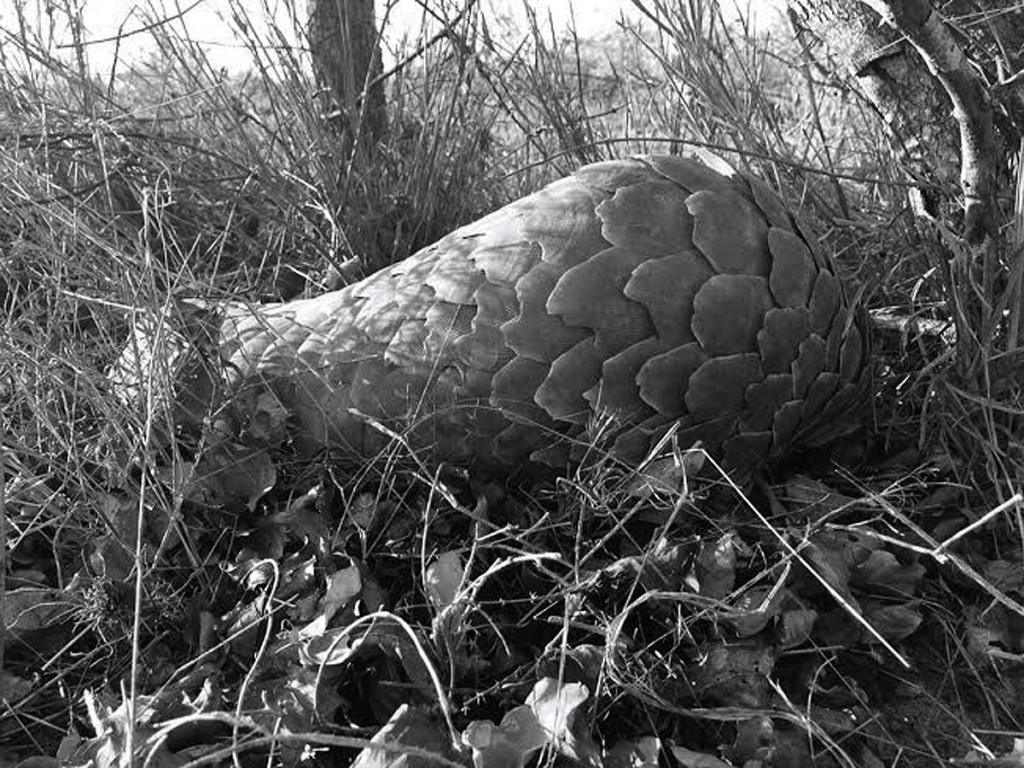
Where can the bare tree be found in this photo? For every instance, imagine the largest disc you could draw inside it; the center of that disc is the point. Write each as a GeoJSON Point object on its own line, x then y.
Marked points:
{"type": "Point", "coordinates": [346, 57]}
{"type": "Point", "coordinates": [943, 85]}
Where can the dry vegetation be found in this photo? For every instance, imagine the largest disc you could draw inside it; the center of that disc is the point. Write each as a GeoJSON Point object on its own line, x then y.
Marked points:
{"type": "Point", "coordinates": [283, 611]}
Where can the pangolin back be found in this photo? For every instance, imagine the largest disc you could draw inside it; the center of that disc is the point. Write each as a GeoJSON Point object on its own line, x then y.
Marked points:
{"type": "Point", "coordinates": [633, 297]}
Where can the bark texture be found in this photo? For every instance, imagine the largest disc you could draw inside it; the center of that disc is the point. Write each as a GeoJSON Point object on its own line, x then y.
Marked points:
{"type": "Point", "coordinates": [890, 74]}
{"type": "Point", "coordinates": [346, 59]}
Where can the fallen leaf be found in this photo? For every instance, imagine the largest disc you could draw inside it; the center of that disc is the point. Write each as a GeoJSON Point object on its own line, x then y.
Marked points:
{"type": "Point", "coordinates": [638, 753]}
{"type": "Point", "coordinates": [232, 472]}
{"type": "Point", "coordinates": [754, 739]}
{"type": "Point", "coordinates": [754, 609]}
{"type": "Point", "coordinates": [1005, 575]}
{"type": "Point", "coordinates": [883, 571]}
{"type": "Point", "coordinates": [689, 759]}
{"type": "Point", "coordinates": [667, 475]}
{"type": "Point", "coordinates": [28, 609]}
{"type": "Point", "coordinates": [893, 622]}
{"type": "Point", "coordinates": [732, 674]}
{"type": "Point", "coordinates": [555, 707]}
{"type": "Point", "coordinates": [813, 498]}
{"type": "Point", "coordinates": [363, 510]}
{"type": "Point", "coordinates": [580, 664]}
{"type": "Point", "coordinates": [268, 419]}
{"type": "Point", "coordinates": [444, 579]}
{"type": "Point", "coordinates": [715, 567]}
{"type": "Point", "coordinates": [508, 745]}
{"type": "Point", "coordinates": [342, 587]}
{"type": "Point", "coordinates": [796, 627]}
{"type": "Point", "coordinates": [411, 728]}
{"type": "Point", "coordinates": [13, 688]}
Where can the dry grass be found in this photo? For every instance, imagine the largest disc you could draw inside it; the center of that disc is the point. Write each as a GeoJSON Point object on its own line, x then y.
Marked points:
{"type": "Point", "coordinates": [173, 180]}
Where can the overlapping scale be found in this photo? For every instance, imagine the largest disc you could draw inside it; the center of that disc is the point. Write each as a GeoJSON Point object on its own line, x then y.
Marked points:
{"type": "Point", "coordinates": [728, 312]}
{"type": "Point", "coordinates": [663, 291]}
{"type": "Point", "coordinates": [666, 287]}
{"type": "Point", "coordinates": [571, 375]}
{"type": "Point", "coordinates": [618, 389]}
{"type": "Point", "coordinates": [591, 295]}
{"type": "Point", "coordinates": [730, 231]}
{"type": "Point", "coordinates": [665, 378]}
{"type": "Point", "coordinates": [649, 218]}
{"type": "Point", "coordinates": [793, 270]}
{"type": "Point", "coordinates": [718, 388]}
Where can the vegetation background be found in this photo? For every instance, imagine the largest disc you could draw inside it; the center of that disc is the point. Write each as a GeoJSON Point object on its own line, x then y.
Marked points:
{"type": "Point", "coordinates": [127, 188]}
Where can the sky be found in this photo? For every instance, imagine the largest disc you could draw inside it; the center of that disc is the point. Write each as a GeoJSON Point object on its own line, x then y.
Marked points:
{"type": "Point", "coordinates": [206, 21]}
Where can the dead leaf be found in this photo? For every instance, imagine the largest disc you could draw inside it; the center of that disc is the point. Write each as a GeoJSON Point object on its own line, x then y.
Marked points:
{"type": "Point", "coordinates": [882, 570]}
{"type": "Point", "coordinates": [813, 498]}
{"type": "Point", "coordinates": [827, 555]}
{"type": "Point", "coordinates": [715, 568]}
{"type": "Point", "coordinates": [13, 688]}
{"type": "Point", "coordinates": [754, 740]}
{"type": "Point", "coordinates": [661, 568]}
{"type": "Point", "coordinates": [232, 472]}
{"type": "Point", "coordinates": [667, 475]}
{"type": "Point", "coordinates": [555, 707]}
{"type": "Point", "coordinates": [754, 609]}
{"type": "Point", "coordinates": [508, 745]}
{"type": "Point", "coordinates": [689, 759]}
{"type": "Point", "coordinates": [444, 579]}
{"type": "Point", "coordinates": [343, 586]}
{"type": "Point", "coordinates": [796, 626]}
{"type": "Point", "coordinates": [638, 753]}
{"type": "Point", "coordinates": [581, 664]}
{"type": "Point", "coordinates": [1005, 575]}
{"type": "Point", "coordinates": [28, 609]}
{"type": "Point", "coordinates": [893, 622]}
{"type": "Point", "coordinates": [734, 674]}
{"type": "Point", "coordinates": [268, 420]}
{"type": "Point", "coordinates": [411, 728]}
{"type": "Point", "coordinates": [363, 510]}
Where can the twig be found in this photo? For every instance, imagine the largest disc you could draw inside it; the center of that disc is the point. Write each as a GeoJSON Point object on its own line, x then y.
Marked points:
{"type": "Point", "coordinates": [948, 557]}
{"type": "Point", "coordinates": [940, 548]}
{"type": "Point", "coordinates": [446, 31]}
{"type": "Point", "coordinates": [141, 30]}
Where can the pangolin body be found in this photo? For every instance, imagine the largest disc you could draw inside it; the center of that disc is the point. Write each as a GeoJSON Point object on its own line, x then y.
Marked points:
{"type": "Point", "coordinates": [633, 297]}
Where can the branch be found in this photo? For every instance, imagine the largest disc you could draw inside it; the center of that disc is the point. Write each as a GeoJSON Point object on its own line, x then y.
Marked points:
{"type": "Point", "coordinates": [972, 107]}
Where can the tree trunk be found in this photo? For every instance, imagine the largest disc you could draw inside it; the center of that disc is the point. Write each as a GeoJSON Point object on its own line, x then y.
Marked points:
{"type": "Point", "coordinates": [346, 59]}
{"type": "Point", "coordinates": [889, 73]}
{"type": "Point", "coordinates": [942, 85]}
{"type": "Point", "coordinates": [949, 86]}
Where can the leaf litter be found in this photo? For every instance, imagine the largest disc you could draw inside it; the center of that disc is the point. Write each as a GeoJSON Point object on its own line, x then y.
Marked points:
{"type": "Point", "coordinates": [417, 620]}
